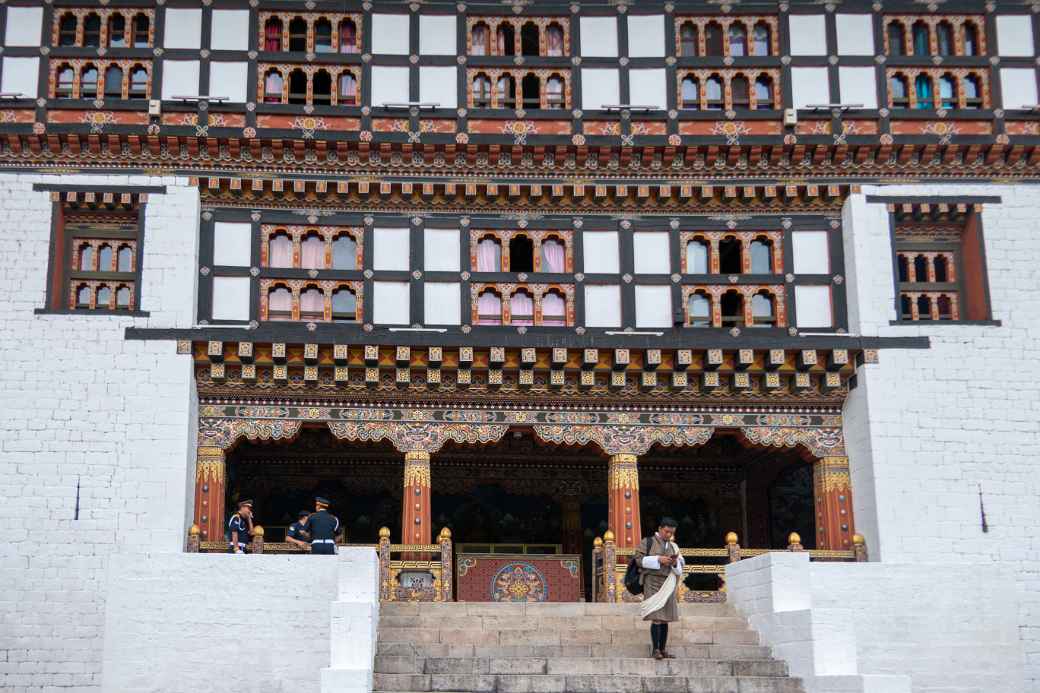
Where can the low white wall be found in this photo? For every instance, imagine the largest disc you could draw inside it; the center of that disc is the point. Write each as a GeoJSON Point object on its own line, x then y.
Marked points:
{"type": "Point", "coordinates": [879, 627]}
{"type": "Point", "coordinates": [244, 624]}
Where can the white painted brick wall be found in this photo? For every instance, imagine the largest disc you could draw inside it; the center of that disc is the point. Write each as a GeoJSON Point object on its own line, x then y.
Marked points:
{"type": "Point", "coordinates": [926, 428]}
{"type": "Point", "coordinates": [83, 405]}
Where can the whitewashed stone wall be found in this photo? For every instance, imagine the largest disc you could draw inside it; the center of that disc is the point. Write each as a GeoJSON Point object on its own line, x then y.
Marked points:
{"type": "Point", "coordinates": [927, 428]}
{"type": "Point", "coordinates": [82, 406]}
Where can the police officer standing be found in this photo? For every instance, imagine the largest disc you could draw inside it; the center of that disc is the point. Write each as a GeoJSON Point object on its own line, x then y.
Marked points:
{"type": "Point", "coordinates": [323, 527]}
{"type": "Point", "coordinates": [240, 527]}
{"type": "Point", "coordinates": [296, 534]}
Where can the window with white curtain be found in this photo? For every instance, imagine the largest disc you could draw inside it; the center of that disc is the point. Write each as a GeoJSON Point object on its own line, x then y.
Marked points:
{"type": "Point", "coordinates": [813, 306]}
{"type": "Point", "coordinates": [441, 250]}
{"type": "Point", "coordinates": [602, 305]}
{"type": "Point", "coordinates": [232, 244]}
{"type": "Point", "coordinates": [600, 251]}
{"type": "Point", "coordinates": [390, 249]}
{"type": "Point", "coordinates": [651, 252]}
{"type": "Point", "coordinates": [442, 303]}
{"type": "Point", "coordinates": [654, 306]}
{"type": "Point", "coordinates": [230, 298]}
{"type": "Point", "coordinates": [390, 303]}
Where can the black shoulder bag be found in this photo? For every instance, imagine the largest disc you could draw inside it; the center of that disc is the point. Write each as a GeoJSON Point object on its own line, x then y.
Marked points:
{"type": "Point", "coordinates": [632, 582]}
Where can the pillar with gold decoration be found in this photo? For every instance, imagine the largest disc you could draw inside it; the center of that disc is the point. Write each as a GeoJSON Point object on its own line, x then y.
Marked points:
{"type": "Point", "coordinates": [210, 480]}
{"type": "Point", "coordinates": [623, 500]}
{"type": "Point", "coordinates": [415, 503]}
{"type": "Point", "coordinates": [832, 497]}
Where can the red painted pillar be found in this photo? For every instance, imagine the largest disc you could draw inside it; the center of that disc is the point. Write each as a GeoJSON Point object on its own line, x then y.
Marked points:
{"type": "Point", "coordinates": [210, 479]}
{"type": "Point", "coordinates": [832, 494]}
{"type": "Point", "coordinates": [623, 503]}
{"type": "Point", "coordinates": [415, 503]}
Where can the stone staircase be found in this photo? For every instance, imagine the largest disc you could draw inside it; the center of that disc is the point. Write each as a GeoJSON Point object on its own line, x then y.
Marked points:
{"type": "Point", "coordinates": [569, 648]}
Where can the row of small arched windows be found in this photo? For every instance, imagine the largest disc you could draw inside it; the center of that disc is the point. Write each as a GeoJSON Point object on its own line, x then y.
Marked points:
{"type": "Point", "coordinates": [505, 42]}
{"type": "Point", "coordinates": [105, 260]}
{"type": "Point", "coordinates": [343, 40]}
{"type": "Point", "coordinates": [521, 255]}
{"type": "Point", "coordinates": [89, 84]}
{"type": "Point", "coordinates": [921, 268]}
{"type": "Point", "coordinates": [312, 252]}
{"type": "Point", "coordinates": [522, 308]}
{"type": "Point", "coordinates": [713, 95]}
{"type": "Point", "coordinates": [103, 297]}
{"type": "Point", "coordinates": [968, 94]}
{"type": "Point", "coordinates": [530, 94]}
{"type": "Point", "coordinates": [927, 307]}
{"type": "Point", "coordinates": [118, 34]}
{"type": "Point", "coordinates": [343, 304]}
{"type": "Point", "coordinates": [920, 45]}
{"type": "Point", "coordinates": [731, 256]}
{"type": "Point", "coordinates": [313, 89]}
{"type": "Point", "coordinates": [699, 310]}
{"type": "Point", "coordinates": [734, 41]}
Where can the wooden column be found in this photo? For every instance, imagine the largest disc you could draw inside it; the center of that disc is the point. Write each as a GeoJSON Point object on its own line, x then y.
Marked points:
{"type": "Point", "coordinates": [210, 479]}
{"type": "Point", "coordinates": [415, 502]}
{"type": "Point", "coordinates": [832, 494]}
{"type": "Point", "coordinates": [623, 500]}
{"type": "Point", "coordinates": [570, 507]}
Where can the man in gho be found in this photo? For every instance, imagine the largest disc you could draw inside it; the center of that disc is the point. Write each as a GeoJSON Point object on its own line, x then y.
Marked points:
{"type": "Point", "coordinates": [661, 568]}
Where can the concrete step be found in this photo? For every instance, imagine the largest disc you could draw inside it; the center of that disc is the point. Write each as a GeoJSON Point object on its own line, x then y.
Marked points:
{"type": "Point", "coordinates": [450, 609]}
{"type": "Point", "coordinates": [530, 621]}
{"type": "Point", "coordinates": [622, 666]}
{"type": "Point", "coordinates": [544, 636]}
{"type": "Point", "coordinates": [703, 651]}
{"type": "Point", "coordinates": [581, 683]}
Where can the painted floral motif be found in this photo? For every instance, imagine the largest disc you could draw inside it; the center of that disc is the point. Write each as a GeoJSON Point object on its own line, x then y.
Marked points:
{"type": "Point", "coordinates": [98, 120]}
{"type": "Point", "coordinates": [945, 131]}
{"type": "Point", "coordinates": [309, 125]}
{"type": "Point", "coordinates": [731, 130]}
{"type": "Point", "coordinates": [519, 129]}
{"type": "Point", "coordinates": [519, 582]}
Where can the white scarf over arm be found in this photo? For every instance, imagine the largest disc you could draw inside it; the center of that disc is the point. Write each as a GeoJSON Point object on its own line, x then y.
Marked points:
{"type": "Point", "coordinates": [661, 597]}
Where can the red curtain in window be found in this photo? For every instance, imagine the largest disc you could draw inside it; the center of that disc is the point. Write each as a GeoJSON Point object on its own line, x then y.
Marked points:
{"type": "Point", "coordinates": [273, 37]}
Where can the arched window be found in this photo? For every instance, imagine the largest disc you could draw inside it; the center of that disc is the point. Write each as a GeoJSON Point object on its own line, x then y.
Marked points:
{"type": "Point", "coordinates": [905, 308]}
{"type": "Point", "coordinates": [740, 92]}
{"type": "Point", "coordinates": [762, 313]}
{"type": "Point", "coordinates": [972, 92]}
{"type": "Point", "coordinates": [117, 31]}
{"type": "Point", "coordinates": [763, 93]}
{"type": "Point", "coordinates": [521, 308]}
{"type": "Point", "coordinates": [279, 303]}
{"type": "Point", "coordinates": [344, 305]}
{"type": "Point", "coordinates": [480, 39]}
{"type": "Point", "coordinates": [923, 91]}
{"type": "Point", "coordinates": [279, 251]}
{"type": "Point", "coordinates": [761, 256]}
{"type": "Point", "coordinates": [505, 39]}
{"type": "Point", "coordinates": [322, 36]}
{"type": "Point", "coordinates": [123, 297]}
{"type": "Point", "coordinates": [297, 87]}
{"type": "Point", "coordinates": [737, 40]}
{"type": "Point", "coordinates": [971, 38]}
{"type": "Point", "coordinates": [489, 308]}
{"type": "Point", "coordinates": [554, 92]}
{"type": "Point", "coordinates": [138, 83]}
{"type": "Point", "coordinates": [920, 268]}
{"type": "Point", "coordinates": [696, 257]}
{"type": "Point", "coordinates": [761, 39]}
{"type": "Point", "coordinates": [86, 258]}
{"type": "Point", "coordinates": [125, 259]}
{"type": "Point", "coordinates": [553, 255]}
{"type": "Point", "coordinates": [83, 295]}
{"type": "Point", "coordinates": [104, 297]}
{"type": "Point", "coordinates": [67, 30]}
{"type": "Point", "coordinates": [273, 35]}
{"type": "Point", "coordinates": [344, 252]}
{"type": "Point", "coordinates": [489, 255]}
{"type": "Point", "coordinates": [312, 252]}
{"type": "Point", "coordinates": [904, 269]}
{"type": "Point", "coordinates": [521, 254]}
{"type": "Point", "coordinates": [312, 304]}
{"type": "Point", "coordinates": [713, 93]}
{"type": "Point", "coordinates": [698, 310]}
{"type": "Point", "coordinates": [942, 273]}
{"type": "Point", "coordinates": [529, 39]}
{"type": "Point", "coordinates": [531, 87]}
{"type": "Point", "coordinates": [506, 89]}
{"type": "Point", "coordinates": [322, 88]}
{"type": "Point", "coordinates": [554, 309]}
{"type": "Point", "coordinates": [298, 35]}
{"type": "Point", "coordinates": [896, 39]}
{"type": "Point", "coordinates": [944, 38]}
{"type": "Point", "coordinates": [92, 31]}
{"type": "Point", "coordinates": [554, 40]}
{"type": "Point", "coordinates": [732, 305]}
{"type": "Point", "coordinates": [139, 30]}
{"type": "Point", "coordinates": [273, 85]}
{"type": "Point", "coordinates": [713, 39]}
{"type": "Point", "coordinates": [348, 91]}
{"type": "Point", "coordinates": [691, 93]}
{"type": "Point", "coordinates": [897, 92]}
{"type": "Point", "coordinates": [924, 308]}
{"type": "Point", "coordinates": [730, 260]}
{"type": "Point", "coordinates": [945, 307]}
{"type": "Point", "coordinates": [88, 82]}
{"type": "Point", "coordinates": [64, 82]}
{"type": "Point", "coordinates": [481, 91]}
{"type": "Point", "coordinates": [348, 36]}
{"type": "Point", "coordinates": [688, 40]}
{"type": "Point", "coordinates": [105, 259]}
{"type": "Point", "coordinates": [919, 33]}
{"type": "Point", "coordinates": [114, 82]}
{"type": "Point", "coordinates": [947, 91]}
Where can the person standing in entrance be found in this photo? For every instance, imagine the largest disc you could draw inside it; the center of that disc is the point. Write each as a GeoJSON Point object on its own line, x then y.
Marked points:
{"type": "Point", "coordinates": [240, 527]}
{"type": "Point", "coordinates": [322, 526]}
{"type": "Point", "coordinates": [296, 534]}
{"type": "Point", "coordinates": [661, 567]}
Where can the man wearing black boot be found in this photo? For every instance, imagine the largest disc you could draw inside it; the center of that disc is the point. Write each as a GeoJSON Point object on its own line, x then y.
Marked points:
{"type": "Point", "coordinates": [661, 566]}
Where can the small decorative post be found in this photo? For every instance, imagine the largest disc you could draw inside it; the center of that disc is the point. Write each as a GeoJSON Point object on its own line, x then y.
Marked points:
{"type": "Point", "coordinates": [859, 548]}
{"type": "Point", "coordinates": [732, 547]}
{"type": "Point", "coordinates": [597, 568]}
{"type": "Point", "coordinates": [384, 564]}
{"type": "Point", "coordinates": [258, 540]}
{"type": "Point", "coordinates": [447, 564]}
{"type": "Point", "coordinates": [194, 539]}
{"type": "Point", "coordinates": [794, 542]}
{"type": "Point", "coordinates": [609, 567]}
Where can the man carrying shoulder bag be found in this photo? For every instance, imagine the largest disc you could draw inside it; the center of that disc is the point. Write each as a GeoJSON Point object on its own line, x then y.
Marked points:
{"type": "Point", "coordinates": [660, 566]}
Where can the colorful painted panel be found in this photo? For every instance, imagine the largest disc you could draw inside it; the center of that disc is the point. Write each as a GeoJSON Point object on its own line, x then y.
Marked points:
{"type": "Point", "coordinates": [518, 578]}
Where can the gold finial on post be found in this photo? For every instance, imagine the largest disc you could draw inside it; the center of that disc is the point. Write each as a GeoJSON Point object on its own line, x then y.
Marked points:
{"type": "Point", "coordinates": [195, 531]}
{"type": "Point", "coordinates": [597, 543]}
{"type": "Point", "coordinates": [608, 537]}
{"type": "Point", "coordinates": [732, 547]}
{"type": "Point", "coordinates": [445, 534]}
{"type": "Point", "coordinates": [194, 544]}
{"type": "Point", "coordinates": [258, 539]}
{"type": "Point", "coordinates": [859, 548]}
{"type": "Point", "coordinates": [731, 538]}
{"type": "Point", "coordinates": [384, 532]}
{"type": "Point", "coordinates": [794, 542]}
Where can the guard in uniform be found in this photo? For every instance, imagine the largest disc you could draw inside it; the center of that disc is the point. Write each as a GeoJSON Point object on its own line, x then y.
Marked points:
{"type": "Point", "coordinates": [322, 526]}
{"type": "Point", "coordinates": [240, 527]}
{"type": "Point", "coordinates": [296, 534]}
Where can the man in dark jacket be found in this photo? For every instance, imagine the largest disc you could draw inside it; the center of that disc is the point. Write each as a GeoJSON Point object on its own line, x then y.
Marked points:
{"type": "Point", "coordinates": [322, 526]}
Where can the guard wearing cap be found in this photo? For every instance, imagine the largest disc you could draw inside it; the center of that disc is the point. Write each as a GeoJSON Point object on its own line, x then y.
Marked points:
{"type": "Point", "coordinates": [296, 534]}
{"type": "Point", "coordinates": [322, 526]}
{"type": "Point", "coordinates": [240, 527]}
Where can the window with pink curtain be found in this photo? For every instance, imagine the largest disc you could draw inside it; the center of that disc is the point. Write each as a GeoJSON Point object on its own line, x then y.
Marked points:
{"type": "Point", "coordinates": [347, 37]}
{"type": "Point", "coordinates": [312, 304]}
{"type": "Point", "coordinates": [279, 251]}
{"type": "Point", "coordinates": [279, 304]}
{"type": "Point", "coordinates": [489, 309]}
{"type": "Point", "coordinates": [555, 39]}
{"type": "Point", "coordinates": [273, 87]}
{"type": "Point", "coordinates": [273, 35]}
{"type": "Point", "coordinates": [312, 253]}
{"type": "Point", "coordinates": [552, 256]}
{"type": "Point", "coordinates": [347, 89]}
{"type": "Point", "coordinates": [479, 40]}
{"type": "Point", "coordinates": [554, 309]}
{"type": "Point", "coordinates": [489, 256]}
{"type": "Point", "coordinates": [521, 309]}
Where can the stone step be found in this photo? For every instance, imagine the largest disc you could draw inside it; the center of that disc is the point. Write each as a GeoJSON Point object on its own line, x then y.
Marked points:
{"type": "Point", "coordinates": [450, 609]}
{"type": "Point", "coordinates": [530, 621]}
{"type": "Point", "coordinates": [704, 651]}
{"type": "Point", "coordinates": [622, 666]}
{"type": "Point", "coordinates": [476, 636]}
{"type": "Point", "coordinates": [581, 683]}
